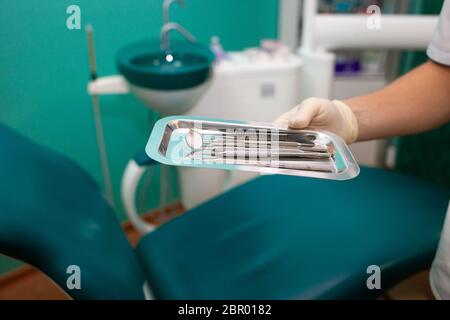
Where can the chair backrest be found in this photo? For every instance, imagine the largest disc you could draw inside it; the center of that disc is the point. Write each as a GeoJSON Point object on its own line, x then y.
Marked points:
{"type": "Point", "coordinates": [53, 216]}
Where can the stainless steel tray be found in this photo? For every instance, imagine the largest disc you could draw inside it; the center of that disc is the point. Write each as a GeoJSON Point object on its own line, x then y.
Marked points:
{"type": "Point", "coordinates": [259, 147]}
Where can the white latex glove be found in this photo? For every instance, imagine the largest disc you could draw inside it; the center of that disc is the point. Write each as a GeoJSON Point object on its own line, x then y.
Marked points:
{"type": "Point", "coordinates": [334, 116]}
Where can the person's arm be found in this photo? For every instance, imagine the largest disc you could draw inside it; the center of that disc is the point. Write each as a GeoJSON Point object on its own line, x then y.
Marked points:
{"type": "Point", "coordinates": [416, 102]}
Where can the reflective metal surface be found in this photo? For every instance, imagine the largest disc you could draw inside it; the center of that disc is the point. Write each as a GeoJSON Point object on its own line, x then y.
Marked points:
{"type": "Point", "coordinates": [260, 147]}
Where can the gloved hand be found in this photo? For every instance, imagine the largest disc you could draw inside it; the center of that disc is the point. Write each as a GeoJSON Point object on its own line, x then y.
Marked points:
{"type": "Point", "coordinates": [334, 116]}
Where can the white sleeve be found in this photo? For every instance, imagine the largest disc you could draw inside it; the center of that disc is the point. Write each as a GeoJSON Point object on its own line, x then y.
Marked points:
{"type": "Point", "coordinates": [439, 47]}
{"type": "Point", "coordinates": [440, 269]}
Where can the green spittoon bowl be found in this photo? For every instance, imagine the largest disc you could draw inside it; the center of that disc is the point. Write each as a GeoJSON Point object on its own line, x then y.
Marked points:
{"type": "Point", "coordinates": [168, 81]}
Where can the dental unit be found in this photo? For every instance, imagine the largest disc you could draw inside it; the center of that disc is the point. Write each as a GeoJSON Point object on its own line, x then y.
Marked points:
{"type": "Point", "coordinates": [252, 85]}
{"type": "Point", "coordinates": [252, 241]}
{"type": "Point", "coordinates": [178, 77]}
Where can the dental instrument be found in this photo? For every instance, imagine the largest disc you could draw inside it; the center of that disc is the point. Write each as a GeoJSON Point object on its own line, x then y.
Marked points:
{"type": "Point", "coordinates": [249, 146]}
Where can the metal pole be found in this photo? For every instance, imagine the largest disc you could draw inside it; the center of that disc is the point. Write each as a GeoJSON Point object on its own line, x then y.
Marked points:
{"type": "Point", "coordinates": [98, 121]}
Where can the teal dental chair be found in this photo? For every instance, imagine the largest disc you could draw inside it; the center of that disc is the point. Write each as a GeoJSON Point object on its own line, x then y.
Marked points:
{"type": "Point", "coordinates": [53, 215]}
{"type": "Point", "coordinates": [276, 237]}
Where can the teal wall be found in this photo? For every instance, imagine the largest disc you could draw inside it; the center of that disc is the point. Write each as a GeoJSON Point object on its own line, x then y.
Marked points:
{"type": "Point", "coordinates": [44, 68]}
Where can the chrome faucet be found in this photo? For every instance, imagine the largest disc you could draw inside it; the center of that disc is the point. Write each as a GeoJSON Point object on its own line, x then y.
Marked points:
{"type": "Point", "coordinates": [169, 26]}
{"type": "Point", "coordinates": [166, 28]}
{"type": "Point", "coordinates": [166, 6]}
